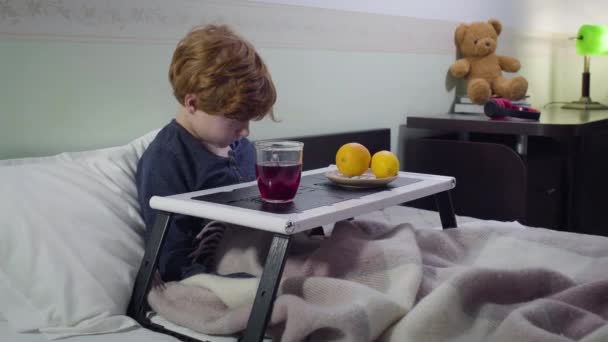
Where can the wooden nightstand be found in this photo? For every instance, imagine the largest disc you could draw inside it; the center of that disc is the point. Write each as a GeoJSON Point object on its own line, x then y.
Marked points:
{"type": "Point", "coordinates": [563, 160]}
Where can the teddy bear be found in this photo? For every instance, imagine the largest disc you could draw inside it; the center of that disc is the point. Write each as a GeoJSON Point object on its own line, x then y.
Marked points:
{"type": "Point", "coordinates": [482, 67]}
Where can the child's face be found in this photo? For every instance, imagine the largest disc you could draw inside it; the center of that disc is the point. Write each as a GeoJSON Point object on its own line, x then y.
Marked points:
{"type": "Point", "coordinates": [218, 130]}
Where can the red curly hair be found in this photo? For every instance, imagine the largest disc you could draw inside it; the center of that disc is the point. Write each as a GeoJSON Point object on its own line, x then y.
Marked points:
{"type": "Point", "coordinates": [225, 73]}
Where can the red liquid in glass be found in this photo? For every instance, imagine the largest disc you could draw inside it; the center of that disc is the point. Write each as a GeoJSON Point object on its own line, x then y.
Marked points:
{"type": "Point", "coordinates": [278, 181]}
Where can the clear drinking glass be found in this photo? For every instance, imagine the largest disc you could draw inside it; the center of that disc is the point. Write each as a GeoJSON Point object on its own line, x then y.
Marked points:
{"type": "Point", "coordinates": [278, 169]}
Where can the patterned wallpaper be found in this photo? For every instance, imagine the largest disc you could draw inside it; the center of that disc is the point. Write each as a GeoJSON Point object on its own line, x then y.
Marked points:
{"type": "Point", "coordinates": [110, 19]}
{"type": "Point", "coordinates": [266, 25]}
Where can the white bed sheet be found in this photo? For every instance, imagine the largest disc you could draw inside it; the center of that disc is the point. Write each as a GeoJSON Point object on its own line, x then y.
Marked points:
{"type": "Point", "coordinates": [420, 219]}
{"type": "Point", "coordinates": [133, 335]}
{"type": "Point", "coordinates": [136, 334]}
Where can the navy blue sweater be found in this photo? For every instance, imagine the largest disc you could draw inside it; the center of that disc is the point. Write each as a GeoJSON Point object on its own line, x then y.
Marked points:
{"type": "Point", "coordinates": [175, 162]}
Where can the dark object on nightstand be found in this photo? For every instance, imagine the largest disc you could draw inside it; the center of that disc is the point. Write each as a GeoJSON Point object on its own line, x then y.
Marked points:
{"type": "Point", "coordinates": [563, 159]}
{"type": "Point", "coordinates": [499, 108]}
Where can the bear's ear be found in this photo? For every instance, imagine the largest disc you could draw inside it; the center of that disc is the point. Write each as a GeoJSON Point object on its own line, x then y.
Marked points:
{"type": "Point", "coordinates": [460, 31]}
{"type": "Point", "coordinates": [496, 25]}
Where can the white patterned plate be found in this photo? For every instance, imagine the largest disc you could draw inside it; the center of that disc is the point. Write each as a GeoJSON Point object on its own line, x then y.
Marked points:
{"type": "Point", "coordinates": [366, 180]}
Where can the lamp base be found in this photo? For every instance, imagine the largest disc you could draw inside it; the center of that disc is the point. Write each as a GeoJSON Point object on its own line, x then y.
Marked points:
{"type": "Point", "coordinates": [585, 103]}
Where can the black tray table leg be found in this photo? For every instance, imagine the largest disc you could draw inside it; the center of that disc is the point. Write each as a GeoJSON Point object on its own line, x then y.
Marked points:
{"type": "Point", "coordinates": [267, 290]}
{"type": "Point", "coordinates": [139, 304]}
{"type": "Point", "coordinates": [443, 201]}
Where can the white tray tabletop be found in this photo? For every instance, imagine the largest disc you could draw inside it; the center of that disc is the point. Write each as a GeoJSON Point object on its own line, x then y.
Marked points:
{"type": "Point", "coordinates": [291, 223]}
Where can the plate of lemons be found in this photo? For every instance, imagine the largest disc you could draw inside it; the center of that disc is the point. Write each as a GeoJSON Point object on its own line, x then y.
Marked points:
{"type": "Point", "coordinates": [353, 170]}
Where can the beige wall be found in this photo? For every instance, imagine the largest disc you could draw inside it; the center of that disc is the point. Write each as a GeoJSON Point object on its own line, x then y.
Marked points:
{"type": "Point", "coordinates": [77, 77]}
{"type": "Point", "coordinates": [564, 16]}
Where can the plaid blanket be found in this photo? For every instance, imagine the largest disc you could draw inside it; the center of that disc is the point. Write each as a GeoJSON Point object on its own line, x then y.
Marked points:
{"type": "Point", "coordinates": [485, 281]}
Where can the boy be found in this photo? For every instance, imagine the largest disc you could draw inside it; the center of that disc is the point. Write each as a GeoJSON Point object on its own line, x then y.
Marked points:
{"type": "Point", "coordinates": [221, 83]}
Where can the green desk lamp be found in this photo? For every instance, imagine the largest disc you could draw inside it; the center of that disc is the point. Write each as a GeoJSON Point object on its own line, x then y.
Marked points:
{"type": "Point", "coordinates": [591, 40]}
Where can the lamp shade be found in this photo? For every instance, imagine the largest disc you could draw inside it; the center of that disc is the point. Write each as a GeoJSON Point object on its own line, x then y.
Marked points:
{"type": "Point", "coordinates": [592, 40]}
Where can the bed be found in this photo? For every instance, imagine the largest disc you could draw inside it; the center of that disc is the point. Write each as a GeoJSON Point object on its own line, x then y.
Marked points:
{"type": "Point", "coordinates": [72, 243]}
{"type": "Point", "coordinates": [418, 218]}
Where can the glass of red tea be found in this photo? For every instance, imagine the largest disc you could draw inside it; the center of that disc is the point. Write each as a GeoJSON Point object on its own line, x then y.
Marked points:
{"type": "Point", "coordinates": [278, 169]}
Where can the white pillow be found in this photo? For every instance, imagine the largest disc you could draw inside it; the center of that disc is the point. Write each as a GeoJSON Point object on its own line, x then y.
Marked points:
{"type": "Point", "coordinates": [71, 240]}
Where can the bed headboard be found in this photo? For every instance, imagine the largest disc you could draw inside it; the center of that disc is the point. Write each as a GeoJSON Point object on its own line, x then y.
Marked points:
{"type": "Point", "coordinates": [320, 150]}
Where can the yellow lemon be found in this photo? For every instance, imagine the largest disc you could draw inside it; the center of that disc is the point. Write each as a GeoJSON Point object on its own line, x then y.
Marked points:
{"type": "Point", "coordinates": [352, 159]}
{"type": "Point", "coordinates": [385, 164]}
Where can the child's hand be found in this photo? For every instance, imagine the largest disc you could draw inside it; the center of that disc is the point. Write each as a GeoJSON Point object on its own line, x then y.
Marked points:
{"type": "Point", "coordinates": [208, 240]}
{"type": "Point", "coordinates": [157, 282]}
